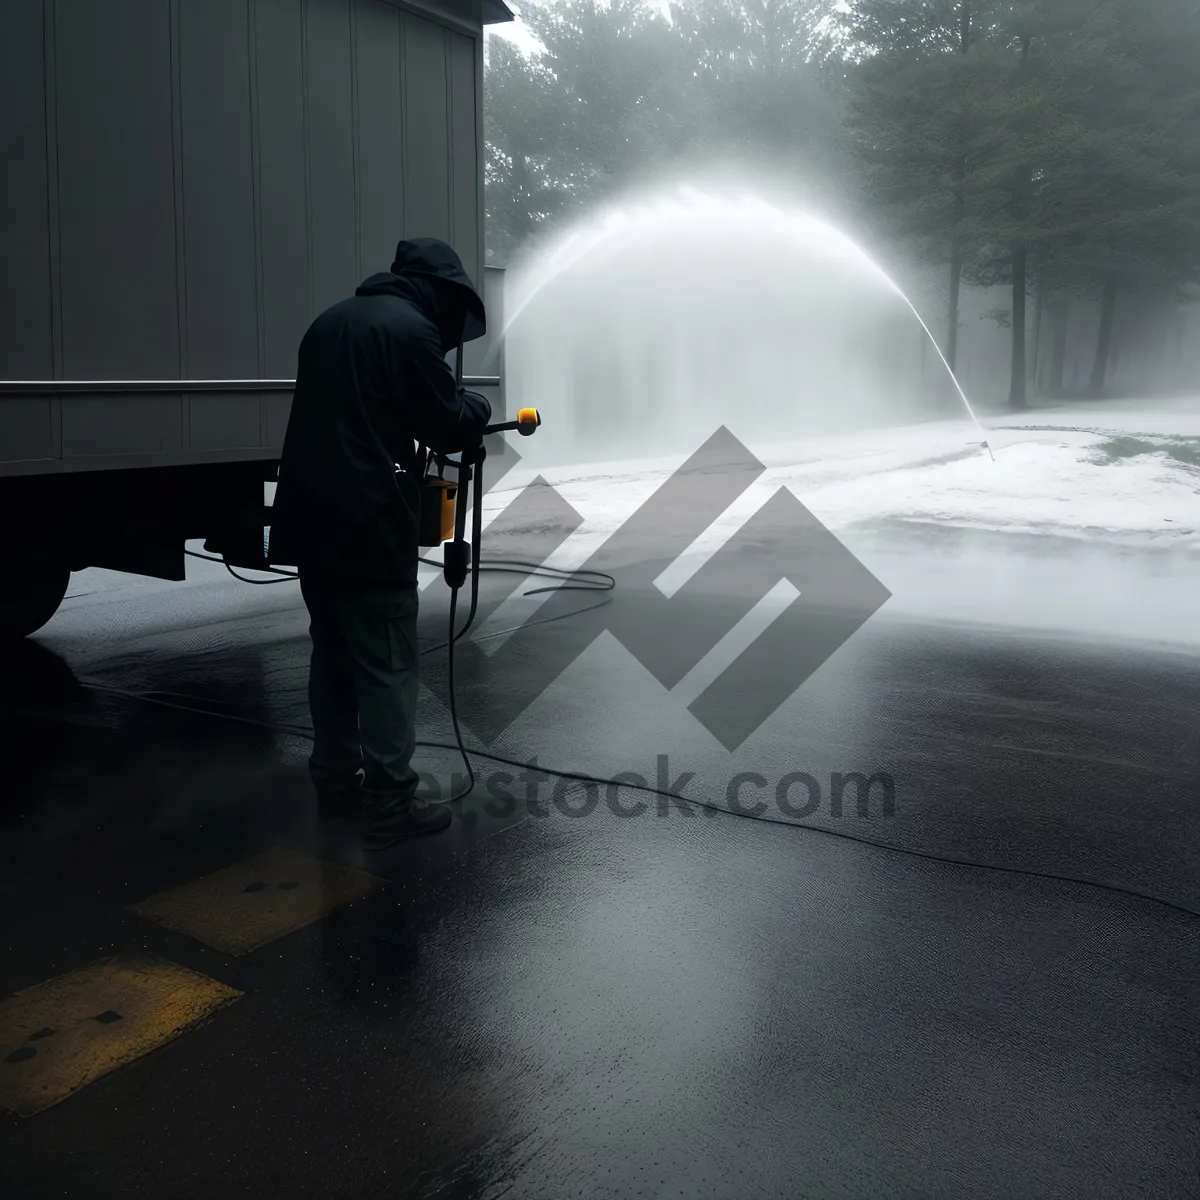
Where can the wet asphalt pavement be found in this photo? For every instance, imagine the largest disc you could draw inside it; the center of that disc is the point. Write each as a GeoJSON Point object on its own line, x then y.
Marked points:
{"type": "Point", "coordinates": [678, 1003]}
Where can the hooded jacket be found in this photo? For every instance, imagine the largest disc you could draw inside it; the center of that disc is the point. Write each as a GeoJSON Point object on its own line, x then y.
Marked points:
{"type": "Point", "coordinates": [371, 381]}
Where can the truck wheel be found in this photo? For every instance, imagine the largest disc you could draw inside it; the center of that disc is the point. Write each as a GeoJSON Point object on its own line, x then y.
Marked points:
{"type": "Point", "coordinates": [29, 598]}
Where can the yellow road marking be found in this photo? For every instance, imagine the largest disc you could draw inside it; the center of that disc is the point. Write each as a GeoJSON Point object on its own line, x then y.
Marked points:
{"type": "Point", "coordinates": [243, 907]}
{"type": "Point", "coordinates": [61, 1035]}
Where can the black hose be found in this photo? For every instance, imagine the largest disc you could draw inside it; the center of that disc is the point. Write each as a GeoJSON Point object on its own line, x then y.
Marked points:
{"type": "Point", "coordinates": [521, 566]}
{"type": "Point", "coordinates": [304, 732]}
{"type": "Point", "coordinates": [599, 581]}
{"type": "Point", "coordinates": [452, 691]}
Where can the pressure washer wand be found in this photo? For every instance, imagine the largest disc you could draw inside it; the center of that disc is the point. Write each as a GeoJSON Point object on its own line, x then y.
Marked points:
{"type": "Point", "coordinates": [460, 557]}
{"type": "Point", "coordinates": [528, 419]}
{"type": "Point", "coordinates": [456, 555]}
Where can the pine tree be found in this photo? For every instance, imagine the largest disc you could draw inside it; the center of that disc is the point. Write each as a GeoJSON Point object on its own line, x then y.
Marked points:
{"type": "Point", "coordinates": [1059, 151]}
{"type": "Point", "coordinates": [613, 67]}
{"type": "Point", "coordinates": [523, 168]}
{"type": "Point", "coordinates": [1093, 123]}
{"type": "Point", "coordinates": [916, 120]}
{"type": "Point", "coordinates": [750, 89]}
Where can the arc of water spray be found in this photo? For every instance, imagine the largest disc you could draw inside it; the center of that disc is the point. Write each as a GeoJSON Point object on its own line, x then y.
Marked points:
{"type": "Point", "coordinates": [864, 258]}
{"type": "Point", "coordinates": [949, 370]}
{"type": "Point", "coordinates": [575, 247]}
{"type": "Point", "coordinates": [567, 253]}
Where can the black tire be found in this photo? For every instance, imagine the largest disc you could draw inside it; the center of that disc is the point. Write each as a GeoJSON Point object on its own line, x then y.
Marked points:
{"type": "Point", "coordinates": [29, 598]}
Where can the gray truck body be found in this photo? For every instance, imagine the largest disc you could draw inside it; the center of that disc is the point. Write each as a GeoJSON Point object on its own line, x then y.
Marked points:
{"type": "Point", "coordinates": [186, 184]}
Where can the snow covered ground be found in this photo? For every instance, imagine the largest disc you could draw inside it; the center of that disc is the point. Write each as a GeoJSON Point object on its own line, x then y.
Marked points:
{"type": "Point", "coordinates": [1076, 527]}
{"type": "Point", "coordinates": [1114, 474]}
{"type": "Point", "coordinates": [1085, 523]}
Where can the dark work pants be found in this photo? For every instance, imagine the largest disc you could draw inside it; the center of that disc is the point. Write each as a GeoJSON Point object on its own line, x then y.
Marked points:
{"type": "Point", "coordinates": [362, 688]}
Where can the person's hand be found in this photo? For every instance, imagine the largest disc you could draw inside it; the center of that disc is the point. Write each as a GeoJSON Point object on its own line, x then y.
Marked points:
{"type": "Point", "coordinates": [472, 451]}
{"type": "Point", "coordinates": [479, 403]}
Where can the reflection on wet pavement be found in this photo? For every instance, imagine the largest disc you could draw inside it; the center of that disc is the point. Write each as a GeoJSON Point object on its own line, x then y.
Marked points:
{"type": "Point", "coordinates": [678, 1003]}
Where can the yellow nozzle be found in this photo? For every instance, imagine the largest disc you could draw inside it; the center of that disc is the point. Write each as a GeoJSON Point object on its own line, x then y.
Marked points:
{"type": "Point", "coordinates": [528, 419]}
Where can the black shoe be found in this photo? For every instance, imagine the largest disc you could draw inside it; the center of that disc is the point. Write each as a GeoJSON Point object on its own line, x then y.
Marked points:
{"type": "Point", "coordinates": [395, 820]}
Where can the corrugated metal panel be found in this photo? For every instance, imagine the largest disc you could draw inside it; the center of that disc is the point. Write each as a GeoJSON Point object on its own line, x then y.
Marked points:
{"type": "Point", "coordinates": [223, 422]}
{"type": "Point", "coordinates": [380, 134]}
{"type": "Point", "coordinates": [27, 428]}
{"type": "Point", "coordinates": [26, 347]}
{"type": "Point", "coordinates": [427, 203]}
{"type": "Point", "coordinates": [146, 424]}
{"type": "Point", "coordinates": [117, 189]}
{"type": "Point", "coordinates": [282, 181]}
{"type": "Point", "coordinates": [484, 356]}
{"type": "Point", "coordinates": [470, 13]}
{"type": "Point", "coordinates": [151, 424]}
{"type": "Point", "coordinates": [466, 15]}
{"type": "Point", "coordinates": [218, 190]}
{"type": "Point", "coordinates": [331, 151]}
{"type": "Point", "coordinates": [465, 155]}
{"type": "Point", "coordinates": [220, 170]}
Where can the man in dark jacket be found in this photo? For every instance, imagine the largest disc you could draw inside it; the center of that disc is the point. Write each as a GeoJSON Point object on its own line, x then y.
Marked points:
{"type": "Point", "coordinates": [372, 382]}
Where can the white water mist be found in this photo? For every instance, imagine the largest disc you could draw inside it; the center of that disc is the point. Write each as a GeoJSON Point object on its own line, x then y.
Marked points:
{"type": "Point", "coordinates": [647, 326]}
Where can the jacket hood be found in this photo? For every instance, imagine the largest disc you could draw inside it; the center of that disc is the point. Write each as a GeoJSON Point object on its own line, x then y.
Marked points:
{"type": "Point", "coordinates": [432, 260]}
